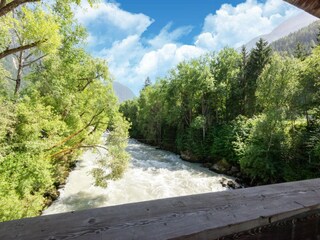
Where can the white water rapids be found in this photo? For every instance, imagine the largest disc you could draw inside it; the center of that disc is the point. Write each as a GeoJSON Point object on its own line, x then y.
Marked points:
{"type": "Point", "coordinates": [152, 174]}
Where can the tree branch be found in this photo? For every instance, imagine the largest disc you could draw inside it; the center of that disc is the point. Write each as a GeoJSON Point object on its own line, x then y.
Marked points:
{"type": "Point", "coordinates": [27, 57]}
{"type": "Point", "coordinates": [20, 48]}
{"type": "Point", "coordinates": [78, 146]}
{"type": "Point", "coordinates": [36, 60]}
{"type": "Point", "coordinates": [6, 8]}
{"type": "Point", "coordinates": [3, 3]}
{"type": "Point", "coordinates": [89, 81]}
{"type": "Point", "coordinates": [11, 79]}
{"type": "Point", "coordinates": [78, 132]}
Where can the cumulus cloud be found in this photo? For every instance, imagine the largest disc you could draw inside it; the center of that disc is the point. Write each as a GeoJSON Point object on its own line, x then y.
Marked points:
{"type": "Point", "coordinates": [236, 25]}
{"type": "Point", "coordinates": [123, 57]}
{"type": "Point", "coordinates": [158, 62]}
{"type": "Point", "coordinates": [110, 23]}
{"type": "Point", "coordinates": [117, 35]}
{"type": "Point", "coordinates": [131, 63]}
{"type": "Point", "coordinates": [166, 36]}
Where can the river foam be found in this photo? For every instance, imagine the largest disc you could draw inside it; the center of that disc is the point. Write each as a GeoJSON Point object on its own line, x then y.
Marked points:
{"type": "Point", "coordinates": [152, 174]}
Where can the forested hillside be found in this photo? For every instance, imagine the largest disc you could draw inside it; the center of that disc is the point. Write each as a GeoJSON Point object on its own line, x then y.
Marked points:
{"type": "Point", "coordinates": [57, 102]}
{"type": "Point", "coordinates": [258, 111]}
{"type": "Point", "coordinates": [303, 40]}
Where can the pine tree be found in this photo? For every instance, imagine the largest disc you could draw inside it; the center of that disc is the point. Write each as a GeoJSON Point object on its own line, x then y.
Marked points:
{"type": "Point", "coordinates": [259, 57]}
{"type": "Point", "coordinates": [243, 79]}
{"type": "Point", "coordinates": [300, 52]}
{"type": "Point", "coordinates": [147, 82]}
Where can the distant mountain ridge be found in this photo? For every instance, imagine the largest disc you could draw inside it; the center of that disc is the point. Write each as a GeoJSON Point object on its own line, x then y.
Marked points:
{"type": "Point", "coordinates": [289, 26]}
{"type": "Point", "coordinates": [122, 92]}
{"type": "Point", "coordinates": [307, 37]}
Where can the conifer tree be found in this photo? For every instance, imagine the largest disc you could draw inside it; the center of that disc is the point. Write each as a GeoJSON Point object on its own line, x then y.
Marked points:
{"type": "Point", "coordinates": [300, 52]}
{"type": "Point", "coordinates": [147, 82]}
{"type": "Point", "coordinates": [259, 57]}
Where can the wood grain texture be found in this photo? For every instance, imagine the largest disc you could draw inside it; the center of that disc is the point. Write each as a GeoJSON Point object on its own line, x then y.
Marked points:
{"type": "Point", "coordinates": [204, 216]}
{"type": "Point", "coordinates": [304, 226]}
{"type": "Point", "coordinates": [310, 6]}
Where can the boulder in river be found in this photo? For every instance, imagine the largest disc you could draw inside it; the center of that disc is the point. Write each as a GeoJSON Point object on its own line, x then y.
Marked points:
{"type": "Point", "coordinates": [190, 157]}
{"type": "Point", "coordinates": [221, 167]}
{"type": "Point", "coordinates": [229, 183]}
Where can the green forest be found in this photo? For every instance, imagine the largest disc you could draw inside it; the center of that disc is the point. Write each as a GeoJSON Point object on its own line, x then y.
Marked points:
{"type": "Point", "coordinates": [257, 110]}
{"type": "Point", "coordinates": [55, 101]}
{"type": "Point", "coordinates": [299, 42]}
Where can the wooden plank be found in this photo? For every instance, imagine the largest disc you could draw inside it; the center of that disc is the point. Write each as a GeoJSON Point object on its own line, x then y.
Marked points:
{"type": "Point", "coordinates": [303, 226]}
{"type": "Point", "coordinates": [204, 216]}
{"type": "Point", "coordinates": [300, 227]}
{"type": "Point", "coordinates": [310, 6]}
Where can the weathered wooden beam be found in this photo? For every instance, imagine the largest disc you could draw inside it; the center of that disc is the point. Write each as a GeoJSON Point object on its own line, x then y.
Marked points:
{"type": "Point", "coordinates": [303, 226]}
{"type": "Point", "coordinates": [204, 216]}
{"type": "Point", "coordinates": [310, 6]}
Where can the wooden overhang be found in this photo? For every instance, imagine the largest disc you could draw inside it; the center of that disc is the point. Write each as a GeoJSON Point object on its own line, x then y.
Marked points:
{"type": "Point", "coordinates": [310, 6]}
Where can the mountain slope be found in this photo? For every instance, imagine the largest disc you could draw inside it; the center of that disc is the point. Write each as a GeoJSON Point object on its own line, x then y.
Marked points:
{"type": "Point", "coordinates": [307, 37]}
{"type": "Point", "coordinates": [291, 25]}
{"type": "Point", "coordinates": [123, 93]}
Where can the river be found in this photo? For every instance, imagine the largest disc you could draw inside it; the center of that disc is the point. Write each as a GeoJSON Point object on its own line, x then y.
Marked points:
{"type": "Point", "coordinates": [152, 174]}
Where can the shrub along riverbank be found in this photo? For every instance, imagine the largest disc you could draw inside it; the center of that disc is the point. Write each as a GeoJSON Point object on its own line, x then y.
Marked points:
{"type": "Point", "coordinates": [257, 111]}
{"type": "Point", "coordinates": [56, 102]}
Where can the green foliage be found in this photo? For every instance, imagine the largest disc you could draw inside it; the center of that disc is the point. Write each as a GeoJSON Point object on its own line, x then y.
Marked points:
{"type": "Point", "coordinates": [118, 159]}
{"type": "Point", "coordinates": [307, 37]}
{"type": "Point", "coordinates": [261, 153]}
{"type": "Point", "coordinates": [64, 105]}
{"type": "Point", "coordinates": [300, 51]}
{"type": "Point", "coordinates": [35, 25]}
{"type": "Point", "coordinates": [258, 111]}
{"type": "Point", "coordinates": [259, 57]}
{"type": "Point", "coordinates": [221, 140]}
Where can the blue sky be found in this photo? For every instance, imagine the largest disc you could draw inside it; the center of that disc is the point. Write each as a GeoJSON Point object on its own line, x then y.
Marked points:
{"type": "Point", "coordinates": [141, 38]}
{"type": "Point", "coordinates": [178, 12]}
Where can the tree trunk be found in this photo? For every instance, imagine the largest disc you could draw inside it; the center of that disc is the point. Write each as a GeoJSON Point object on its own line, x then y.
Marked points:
{"type": "Point", "coordinates": [19, 73]}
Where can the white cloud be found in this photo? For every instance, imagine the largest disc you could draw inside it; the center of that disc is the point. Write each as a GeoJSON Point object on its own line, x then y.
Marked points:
{"type": "Point", "coordinates": [236, 25]}
{"type": "Point", "coordinates": [206, 41]}
{"type": "Point", "coordinates": [157, 62]}
{"type": "Point", "coordinates": [110, 23]}
{"type": "Point", "coordinates": [111, 14]}
{"type": "Point", "coordinates": [123, 57]}
{"type": "Point", "coordinates": [116, 35]}
{"type": "Point", "coordinates": [165, 36]}
{"type": "Point", "coordinates": [131, 63]}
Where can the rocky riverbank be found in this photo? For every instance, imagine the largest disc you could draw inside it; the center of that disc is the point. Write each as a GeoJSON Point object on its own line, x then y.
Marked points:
{"type": "Point", "coordinates": [236, 180]}
{"type": "Point", "coordinates": [69, 164]}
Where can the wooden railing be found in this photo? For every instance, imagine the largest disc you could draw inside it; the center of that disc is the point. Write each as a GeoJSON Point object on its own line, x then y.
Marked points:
{"type": "Point", "coordinates": [281, 211]}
